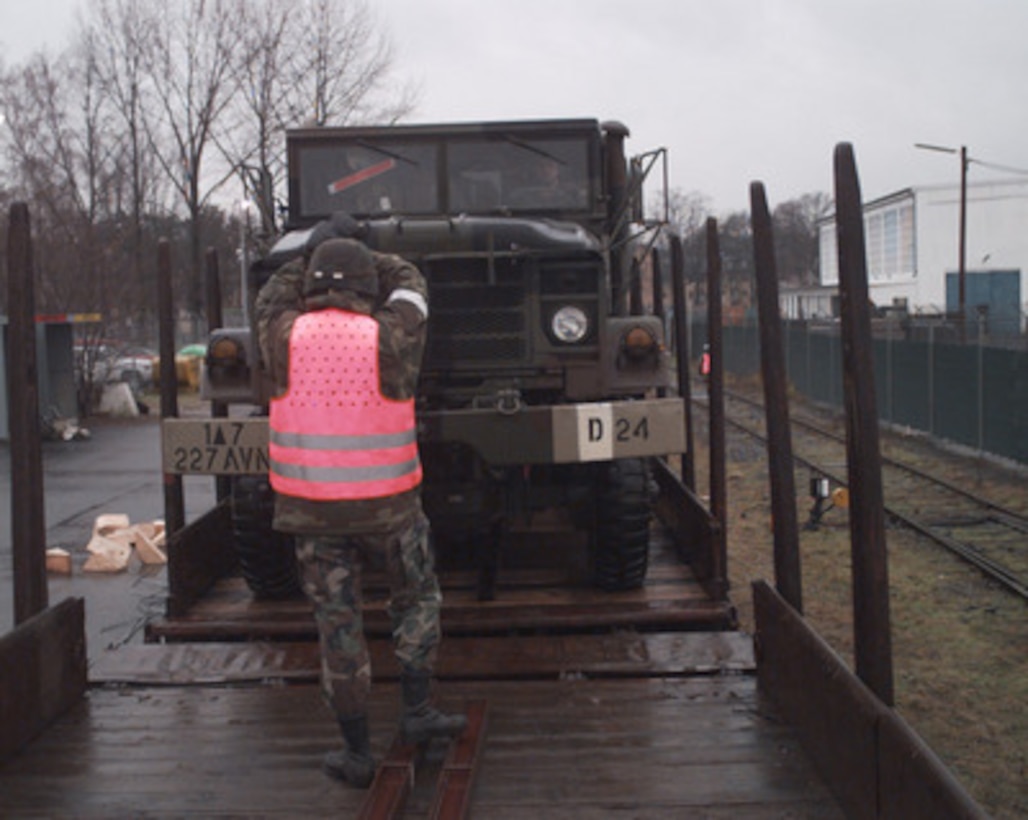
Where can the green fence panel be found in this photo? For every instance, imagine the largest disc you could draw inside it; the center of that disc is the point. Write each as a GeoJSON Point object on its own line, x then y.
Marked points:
{"type": "Point", "coordinates": [1005, 403]}
{"type": "Point", "coordinates": [970, 395]}
{"type": "Point", "coordinates": [826, 368]}
{"type": "Point", "coordinates": [956, 405]}
{"type": "Point", "coordinates": [796, 340]}
{"type": "Point", "coordinates": [908, 393]}
{"type": "Point", "coordinates": [741, 349]}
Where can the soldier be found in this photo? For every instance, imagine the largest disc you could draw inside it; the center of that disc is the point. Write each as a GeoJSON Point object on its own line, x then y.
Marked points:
{"type": "Point", "coordinates": [548, 188]}
{"type": "Point", "coordinates": [344, 349]}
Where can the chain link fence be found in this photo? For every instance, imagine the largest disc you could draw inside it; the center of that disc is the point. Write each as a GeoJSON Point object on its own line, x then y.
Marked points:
{"type": "Point", "coordinates": [968, 386]}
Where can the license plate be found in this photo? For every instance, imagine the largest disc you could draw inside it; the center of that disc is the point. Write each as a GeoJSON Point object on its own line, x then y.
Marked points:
{"type": "Point", "coordinates": [215, 446]}
{"type": "Point", "coordinates": [603, 431]}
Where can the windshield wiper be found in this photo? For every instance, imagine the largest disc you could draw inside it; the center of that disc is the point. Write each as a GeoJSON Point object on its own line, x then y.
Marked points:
{"type": "Point", "coordinates": [386, 152]}
{"type": "Point", "coordinates": [525, 146]}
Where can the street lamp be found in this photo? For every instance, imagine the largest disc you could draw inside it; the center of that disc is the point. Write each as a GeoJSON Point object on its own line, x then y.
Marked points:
{"type": "Point", "coordinates": [246, 207]}
{"type": "Point", "coordinates": [961, 269]}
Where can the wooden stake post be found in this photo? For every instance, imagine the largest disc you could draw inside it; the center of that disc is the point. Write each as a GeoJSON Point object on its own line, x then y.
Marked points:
{"type": "Point", "coordinates": [28, 519]}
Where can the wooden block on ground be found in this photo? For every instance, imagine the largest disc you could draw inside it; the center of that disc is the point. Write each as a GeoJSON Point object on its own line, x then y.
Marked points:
{"type": "Point", "coordinates": [58, 561]}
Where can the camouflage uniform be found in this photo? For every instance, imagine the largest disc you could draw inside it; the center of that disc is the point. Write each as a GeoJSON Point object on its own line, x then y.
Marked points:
{"type": "Point", "coordinates": [336, 539]}
{"type": "Point", "coordinates": [331, 568]}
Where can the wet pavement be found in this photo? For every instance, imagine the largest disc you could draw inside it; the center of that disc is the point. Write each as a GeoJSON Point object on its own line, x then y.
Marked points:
{"type": "Point", "coordinates": [117, 470]}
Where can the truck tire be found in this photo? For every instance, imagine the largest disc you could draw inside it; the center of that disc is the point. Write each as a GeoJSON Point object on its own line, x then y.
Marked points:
{"type": "Point", "coordinates": [621, 538]}
{"type": "Point", "coordinates": [267, 559]}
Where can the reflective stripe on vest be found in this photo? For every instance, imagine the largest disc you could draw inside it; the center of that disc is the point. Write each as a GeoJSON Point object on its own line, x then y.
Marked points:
{"type": "Point", "coordinates": [333, 435]}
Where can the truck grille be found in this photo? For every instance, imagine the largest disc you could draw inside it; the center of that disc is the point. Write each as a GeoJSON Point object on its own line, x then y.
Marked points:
{"type": "Point", "coordinates": [478, 312]}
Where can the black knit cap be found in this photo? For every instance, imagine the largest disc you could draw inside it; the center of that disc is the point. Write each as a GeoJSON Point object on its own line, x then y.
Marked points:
{"type": "Point", "coordinates": [341, 264]}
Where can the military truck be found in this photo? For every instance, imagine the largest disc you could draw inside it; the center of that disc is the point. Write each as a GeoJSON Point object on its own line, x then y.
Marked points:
{"type": "Point", "coordinates": [543, 381]}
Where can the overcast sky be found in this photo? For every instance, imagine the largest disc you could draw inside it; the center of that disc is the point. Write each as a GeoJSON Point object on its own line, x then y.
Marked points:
{"type": "Point", "coordinates": [737, 90]}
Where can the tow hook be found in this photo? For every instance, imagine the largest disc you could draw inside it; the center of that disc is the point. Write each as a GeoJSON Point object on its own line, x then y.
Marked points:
{"type": "Point", "coordinates": [508, 402]}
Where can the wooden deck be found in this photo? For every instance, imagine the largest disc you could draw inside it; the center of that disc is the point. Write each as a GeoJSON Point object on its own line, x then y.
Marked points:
{"type": "Point", "coordinates": [634, 704]}
{"type": "Point", "coordinates": [543, 587]}
{"type": "Point", "coordinates": [684, 735]}
{"type": "Point", "coordinates": [620, 654]}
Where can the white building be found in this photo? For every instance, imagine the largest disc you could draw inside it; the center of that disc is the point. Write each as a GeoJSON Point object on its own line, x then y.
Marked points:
{"type": "Point", "coordinates": [912, 241]}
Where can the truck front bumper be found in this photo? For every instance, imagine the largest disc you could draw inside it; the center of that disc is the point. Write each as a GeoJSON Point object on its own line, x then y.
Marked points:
{"type": "Point", "coordinates": [564, 434]}
{"type": "Point", "coordinates": [558, 434]}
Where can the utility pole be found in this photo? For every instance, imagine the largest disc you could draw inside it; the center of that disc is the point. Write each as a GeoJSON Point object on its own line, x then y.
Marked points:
{"type": "Point", "coordinates": [962, 241]}
{"type": "Point", "coordinates": [962, 270]}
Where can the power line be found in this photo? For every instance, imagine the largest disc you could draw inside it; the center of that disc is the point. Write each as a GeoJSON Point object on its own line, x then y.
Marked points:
{"type": "Point", "coordinates": [945, 149]}
{"type": "Point", "coordinates": [997, 167]}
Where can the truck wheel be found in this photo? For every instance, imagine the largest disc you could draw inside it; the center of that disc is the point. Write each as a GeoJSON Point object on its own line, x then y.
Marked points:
{"type": "Point", "coordinates": [621, 539]}
{"type": "Point", "coordinates": [267, 559]}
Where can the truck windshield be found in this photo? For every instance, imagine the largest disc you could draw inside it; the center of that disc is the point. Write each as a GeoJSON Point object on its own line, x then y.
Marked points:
{"type": "Point", "coordinates": [364, 178]}
{"type": "Point", "coordinates": [483, 174]}
{"type": "Point", "coordinates": [518, 174]}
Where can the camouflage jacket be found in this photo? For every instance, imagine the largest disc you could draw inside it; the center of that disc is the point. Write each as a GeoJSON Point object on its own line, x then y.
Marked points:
{"type": "Point", "coordinates": [401, 345]}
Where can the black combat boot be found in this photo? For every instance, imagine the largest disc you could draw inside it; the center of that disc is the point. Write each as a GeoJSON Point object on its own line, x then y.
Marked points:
{"type": "Point", "coordinates": [353, 764]}
{"type": "Point", "coordinates": [421, 721]}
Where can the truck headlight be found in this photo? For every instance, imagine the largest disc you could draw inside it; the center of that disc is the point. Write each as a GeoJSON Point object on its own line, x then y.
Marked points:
{"type": "Point", "coordinates": [226, 352]}
{"type": "Point", "coordinates": [639, 343]}
{"type": "Point", "coordinates": [569, 324]}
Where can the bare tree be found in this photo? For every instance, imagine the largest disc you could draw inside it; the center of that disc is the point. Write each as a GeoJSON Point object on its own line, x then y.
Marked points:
{"type": "Point", "coordinates": [250, 138]}
{"type": "Point", "coordinates": [688, 213]}
{"type": "Point", "coordinates": [311, 63]}
{"type": "Point", "coordinates": [155, 108]}
{"type": "Point", "coordinates": [120, 31]}
{"type": "Point", "coordinates": [187, 65]}
{"type": "Point", "coordinates": [796, 243]}
{"type": "Point", "coordinates": [342, 62]}
{"type": "Point", "coordinates": [61, 154]}
{"type": "Point", "coordinates": [63, 157]}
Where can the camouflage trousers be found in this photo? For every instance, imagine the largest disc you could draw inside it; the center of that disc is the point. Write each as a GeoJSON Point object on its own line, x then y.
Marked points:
{"type": "Point", "coordinates": [331, 568]}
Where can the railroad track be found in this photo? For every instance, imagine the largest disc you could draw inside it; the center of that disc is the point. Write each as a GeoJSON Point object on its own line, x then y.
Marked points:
{"type": "Point", "coordinates": [980, 531]}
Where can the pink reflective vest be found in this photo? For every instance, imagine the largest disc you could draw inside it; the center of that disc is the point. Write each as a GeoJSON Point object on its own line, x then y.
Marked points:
{"type": "Point", "coordinates": [333, 435]}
